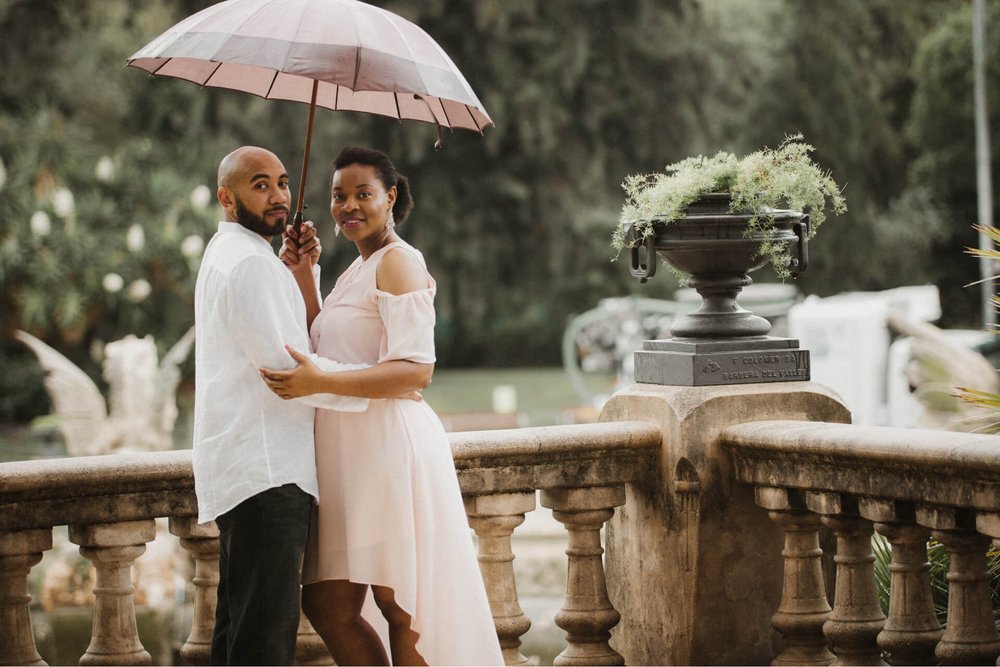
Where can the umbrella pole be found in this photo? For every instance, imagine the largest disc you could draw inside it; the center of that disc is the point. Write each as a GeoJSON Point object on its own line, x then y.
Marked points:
{"type": "Point", "coordinates": [297, 220]}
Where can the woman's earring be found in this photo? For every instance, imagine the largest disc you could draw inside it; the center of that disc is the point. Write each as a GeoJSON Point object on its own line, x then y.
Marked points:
{"type": "Point", "coordinates": [390, 222]}
{"type": "Point", "coordinates": [336, 230]}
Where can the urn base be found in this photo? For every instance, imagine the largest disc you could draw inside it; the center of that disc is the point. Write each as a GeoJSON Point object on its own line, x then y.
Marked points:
{"type": "Point", "coordinates": [699, 362]}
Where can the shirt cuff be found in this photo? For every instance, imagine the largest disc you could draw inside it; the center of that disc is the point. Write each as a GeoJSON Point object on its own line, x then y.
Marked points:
{"type": "Point", "coordinates": [335, 401]}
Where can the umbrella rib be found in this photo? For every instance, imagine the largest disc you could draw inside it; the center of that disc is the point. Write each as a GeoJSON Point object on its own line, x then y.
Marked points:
{"type": "Point", "coordinates": [160, 66]}
{"type": "Point", "coordinates": [444, 110]}
{"type": "Point", "coordinates": [209, 77]}
{"type": "Point", "coordinates": [475, 122]}
{"type": "Point", "coordinates": [267, 95]}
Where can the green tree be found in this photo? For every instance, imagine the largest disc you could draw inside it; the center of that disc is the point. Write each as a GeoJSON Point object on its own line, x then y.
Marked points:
{"type": "Point", "coordinates": [942, 124]}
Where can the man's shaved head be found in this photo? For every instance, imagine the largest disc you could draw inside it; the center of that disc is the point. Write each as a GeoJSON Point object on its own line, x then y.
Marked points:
{"type": "Point", "coordinates": [239, 161]}
{"type": "Point", "coordinates": [253, 190]}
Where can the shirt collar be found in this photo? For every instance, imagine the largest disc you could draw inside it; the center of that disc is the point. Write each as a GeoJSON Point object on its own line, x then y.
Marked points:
{"type": "Point", "coordinates": [236, 228]}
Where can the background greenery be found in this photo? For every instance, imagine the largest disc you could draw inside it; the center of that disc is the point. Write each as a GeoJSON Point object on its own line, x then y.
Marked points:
{"type": "Point", "coordinates": [515, 224]}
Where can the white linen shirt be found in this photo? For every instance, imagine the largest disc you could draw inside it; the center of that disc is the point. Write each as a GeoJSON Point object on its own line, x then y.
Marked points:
{"type": "Point", "coordinates": [247, 439]}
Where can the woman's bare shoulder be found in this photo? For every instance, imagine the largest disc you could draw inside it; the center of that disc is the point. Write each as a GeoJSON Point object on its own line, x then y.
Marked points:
{"type": "Point", "coordinates": [400, 271]}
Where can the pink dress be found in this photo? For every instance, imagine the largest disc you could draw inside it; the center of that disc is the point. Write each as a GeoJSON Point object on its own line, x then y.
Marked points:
{"type": "Point", "coordinates": [390, 510]}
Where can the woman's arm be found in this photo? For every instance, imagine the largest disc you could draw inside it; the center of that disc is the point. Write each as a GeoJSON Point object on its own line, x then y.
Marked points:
{"type": "Point", "coordinates": [300, 253]}
{"type": "Point", "coordinates": [391, 379]}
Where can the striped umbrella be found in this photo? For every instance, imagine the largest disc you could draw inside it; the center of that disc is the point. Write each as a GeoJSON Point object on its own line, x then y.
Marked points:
{"type": "Point", "coordinates": [344, 55]}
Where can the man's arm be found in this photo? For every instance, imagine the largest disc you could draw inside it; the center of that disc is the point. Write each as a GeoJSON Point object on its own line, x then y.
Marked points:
{"type": "Point", "coordinates": [264, 321]}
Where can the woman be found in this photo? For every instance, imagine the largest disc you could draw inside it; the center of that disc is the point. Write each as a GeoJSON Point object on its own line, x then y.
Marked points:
{"type": "Point", "coordinates": [390, 533]}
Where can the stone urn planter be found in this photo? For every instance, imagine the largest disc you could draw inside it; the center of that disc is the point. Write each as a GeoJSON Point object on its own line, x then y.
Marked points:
{"type": "Point", "coordinates": [720, 342]}
{"type": "Point", "coordinates": [718, 250]}
{"type": "Point", "coordinates": [717, 219]}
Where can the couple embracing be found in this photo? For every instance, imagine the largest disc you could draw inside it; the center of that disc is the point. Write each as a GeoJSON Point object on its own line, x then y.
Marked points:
{"type": "Point", "coordinates": [313, 450]}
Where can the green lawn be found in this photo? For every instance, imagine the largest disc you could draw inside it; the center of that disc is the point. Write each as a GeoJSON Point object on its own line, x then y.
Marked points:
{"type": "Point", "coordinates": [542, 395]}
{"type": "Point", "coordinates": [541, 392]}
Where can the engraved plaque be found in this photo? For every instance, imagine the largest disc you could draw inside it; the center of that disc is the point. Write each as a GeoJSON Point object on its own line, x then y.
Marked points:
{"type": "Point", "coordinates": [695, 363]}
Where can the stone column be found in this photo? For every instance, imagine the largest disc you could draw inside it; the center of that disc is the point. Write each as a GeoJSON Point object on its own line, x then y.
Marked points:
{"type": "Point", "coordinates": [494, 518]}
{"type": "Point", "coordinates": [804, 608]}
{"type": "Point", "coordinates": [112, 548]}
{"type": "Point", "coordinates": [19, 552]}
{"type": "Point", "coordinates": [971, 635]}
{"type": "Point", "coordinates": [587, 615]}
{"type": "Point", "coordinates": [689, 578]}
{"type": "Point", "coordinates": [202, 542]}
{"type": "Point", "coordinates": [857, 618]}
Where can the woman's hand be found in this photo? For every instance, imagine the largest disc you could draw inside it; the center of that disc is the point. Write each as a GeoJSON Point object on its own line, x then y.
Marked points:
{"type": "Point", "coordinates": [300, 381]}
{"type": "Point", "coordinates": [300, 250]}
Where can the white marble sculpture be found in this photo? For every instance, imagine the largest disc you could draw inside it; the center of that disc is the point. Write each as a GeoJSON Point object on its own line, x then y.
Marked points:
{"type": "Point", "coordinates": [141, 409]}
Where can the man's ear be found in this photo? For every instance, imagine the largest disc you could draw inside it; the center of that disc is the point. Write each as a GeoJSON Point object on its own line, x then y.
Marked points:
{"type": "Point", "coordinates": [226, 199]}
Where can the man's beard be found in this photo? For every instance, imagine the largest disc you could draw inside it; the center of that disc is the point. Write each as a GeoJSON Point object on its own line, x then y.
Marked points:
{"type": "Point", "coordinates": [257, 223]}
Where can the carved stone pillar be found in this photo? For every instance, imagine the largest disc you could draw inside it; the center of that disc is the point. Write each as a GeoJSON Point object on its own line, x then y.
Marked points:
{"type": "Point", "coordinates": [202, 542]}
{"type": "Point", "coordinates": [19, 552]}
{"type": "Point", "coordinates": [587, 615]}
{"type": "Point", "coordinates": [857, 616]}
{"type": "Point", "coordinates": [112, 548]}
{"type": "Point", "coordinates": [494, 518]}
{"type": "Point", "coordinates": [804, 607]}
{"type": "Point", "coordinates": [971, 635]}
{"type": "Point", "coordinates": [912, 629]}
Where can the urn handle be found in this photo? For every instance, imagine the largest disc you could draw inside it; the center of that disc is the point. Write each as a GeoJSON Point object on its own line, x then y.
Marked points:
{"type": "Point", "coordinates": [643, 270]}
{"type": "Point", "coordinates": [798, 264]}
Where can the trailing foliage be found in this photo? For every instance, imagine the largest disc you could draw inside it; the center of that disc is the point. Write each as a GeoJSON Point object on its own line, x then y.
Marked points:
{"type": "Point", "coordinates": [759, 183]}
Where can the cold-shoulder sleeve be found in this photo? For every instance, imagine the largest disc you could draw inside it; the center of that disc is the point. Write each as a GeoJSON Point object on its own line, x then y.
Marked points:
{"type": "Point", "coordinates": [409, 326]}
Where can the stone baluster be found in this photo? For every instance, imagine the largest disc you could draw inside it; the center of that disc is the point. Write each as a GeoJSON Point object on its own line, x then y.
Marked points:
{"type": "Point", "coordinates": [970, 637]}
{"type": "Point", "coordinates": [112, 548]}
{"type": "Point", "coordinates": [202, 542]}
{"type": "Point", "coordinates": [19, 552]}
{"type": "Point", "coordinates": [494, 518]}
{"type": "Point", "coordinates": [587, 615]}
{"type": "Point", "coordinates": [804, 608]}
{"type": "Point", "coordinates": [857, 617]}
{"type": "Point", "coordinates": [988, 523]}
{"type": "Point", "coordinates": [912, 629]}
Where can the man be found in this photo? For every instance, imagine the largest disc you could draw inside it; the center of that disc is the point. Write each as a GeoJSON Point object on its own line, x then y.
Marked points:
{"type": "Point", "coordinates": [254, 465]}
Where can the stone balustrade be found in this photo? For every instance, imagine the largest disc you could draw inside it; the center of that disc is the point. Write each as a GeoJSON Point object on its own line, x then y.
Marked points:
{"type": "Point", "coordinates": [738, 525]}
{"type": "Point", "coordinates": [908, 486]}
{"type": "Point", "coordinates": [110, 503]}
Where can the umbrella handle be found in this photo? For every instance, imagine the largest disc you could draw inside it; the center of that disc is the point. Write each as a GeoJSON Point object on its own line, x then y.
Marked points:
{"type": "Point", "coordinates": [297, 220]}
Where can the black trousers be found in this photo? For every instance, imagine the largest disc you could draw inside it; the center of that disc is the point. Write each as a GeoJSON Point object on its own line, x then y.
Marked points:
{"type": "Point", "coordinates": [261, 544]}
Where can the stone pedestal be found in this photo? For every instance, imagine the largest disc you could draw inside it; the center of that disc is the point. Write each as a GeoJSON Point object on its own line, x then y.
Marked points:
{"type": "Point", "coordinates": [691, 556]}
{"type": "Point", "coordinates": [726, 361]}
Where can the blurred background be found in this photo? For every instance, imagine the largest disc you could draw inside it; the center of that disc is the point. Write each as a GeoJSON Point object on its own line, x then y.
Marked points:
{"type": "Point", "coordinates": [107, 177]}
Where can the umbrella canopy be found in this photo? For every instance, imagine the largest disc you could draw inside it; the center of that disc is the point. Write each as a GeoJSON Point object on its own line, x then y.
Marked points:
{"type": "Point", "coordinates": [364, 59]}
{"type": "Point", "coordinates": [343, 55]}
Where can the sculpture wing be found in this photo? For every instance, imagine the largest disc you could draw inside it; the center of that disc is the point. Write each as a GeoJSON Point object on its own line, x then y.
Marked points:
{"type": "Point", "coordinates": [167, 378]}
{"type": "Point", "coordinates": [939, 369]}
{"type": "Point", "coordinates": [77, 401]}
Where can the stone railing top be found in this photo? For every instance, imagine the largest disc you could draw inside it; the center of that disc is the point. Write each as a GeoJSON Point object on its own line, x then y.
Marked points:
{"type": "Point", "coordinates": [131, 486]}
{"type": "Point", "coordinates": [546, 457]}
{"type": "Point", "coordinates": [96, 489]}
{"type": "Point", "coordinates": [93, 475]}
{"type": "Point", "coordinates": [937, 467]}
{"type": "Point", "coordinates": [549, 443]}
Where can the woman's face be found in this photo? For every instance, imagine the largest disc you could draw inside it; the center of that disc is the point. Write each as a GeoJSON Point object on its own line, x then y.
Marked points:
{"type": "Point", "coordinates": [359, 202]}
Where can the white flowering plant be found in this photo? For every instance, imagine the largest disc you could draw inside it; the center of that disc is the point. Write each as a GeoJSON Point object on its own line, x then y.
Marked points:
{"type": "Point", "coordinates": [761, 182]}
{"type": "Point", "coordinates": [86, 255]}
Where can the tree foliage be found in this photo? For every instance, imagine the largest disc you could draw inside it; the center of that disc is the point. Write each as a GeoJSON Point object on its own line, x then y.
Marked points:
{"type": "Point", "coordinates": [514, 224]}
